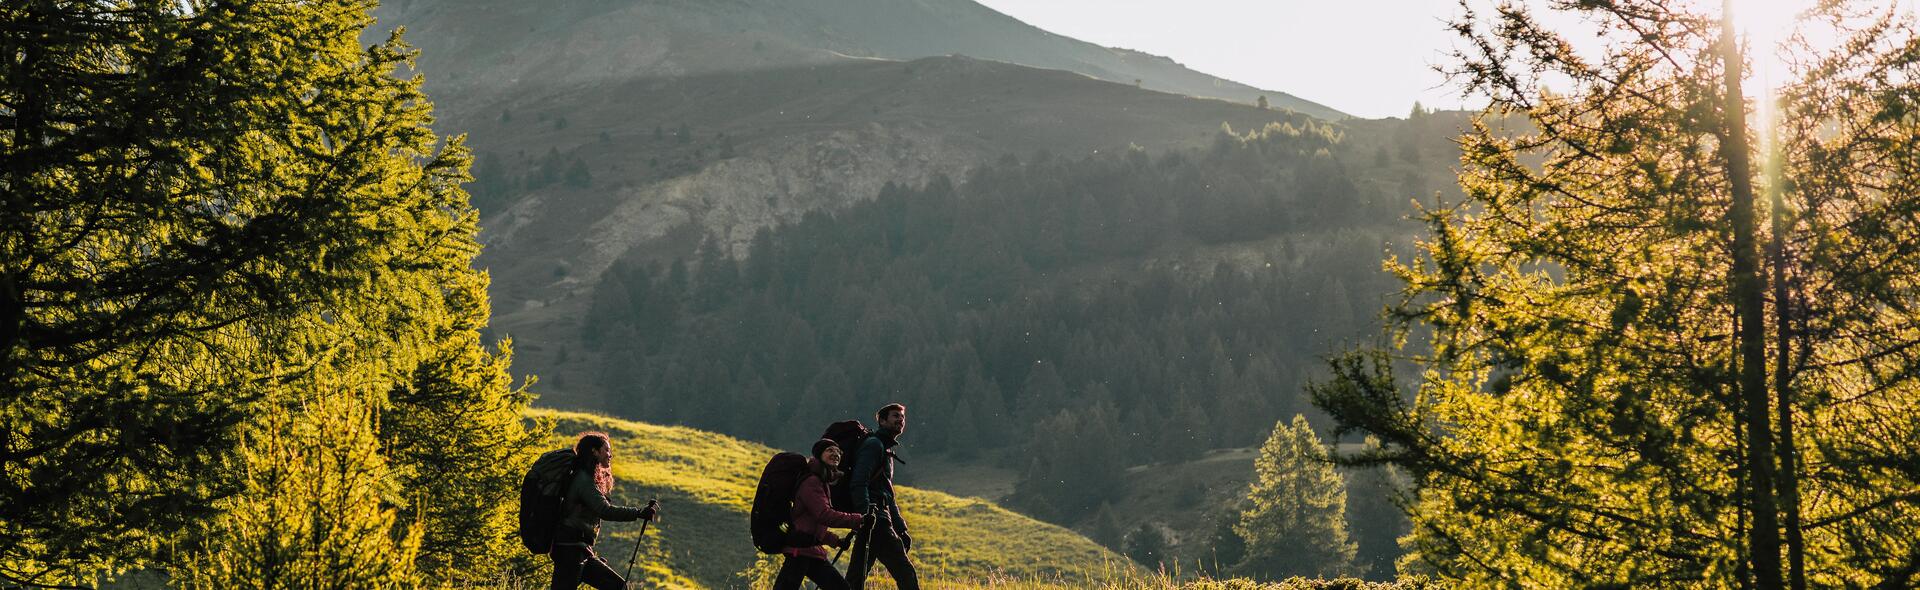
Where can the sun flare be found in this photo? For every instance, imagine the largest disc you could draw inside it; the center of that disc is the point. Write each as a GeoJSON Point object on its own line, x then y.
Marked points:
{"type": "Point", "coordinates": [1765, 26]}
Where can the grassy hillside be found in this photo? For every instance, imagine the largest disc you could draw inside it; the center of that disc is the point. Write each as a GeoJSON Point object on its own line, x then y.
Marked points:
{"type": "Point", "coordinates": [704, 482]}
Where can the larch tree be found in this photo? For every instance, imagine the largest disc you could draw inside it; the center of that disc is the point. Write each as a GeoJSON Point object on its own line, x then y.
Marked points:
{"type": "Point", "coordinates": [1646, 360]}
{"type": "Point", "coordinates": [1295, 522]}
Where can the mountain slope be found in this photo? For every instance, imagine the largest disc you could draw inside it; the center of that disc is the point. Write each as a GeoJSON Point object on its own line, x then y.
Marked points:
{"type": "Point", "coordinates": [674, 161]}
{"type": "Point", "coordinates": [605, 136]}
{"type": "Point", "coordinates": [762, 147]}
{"type": "Point", "coordinates": [705, 481]}
{"type": "Point", "coordinates": [492, 44]}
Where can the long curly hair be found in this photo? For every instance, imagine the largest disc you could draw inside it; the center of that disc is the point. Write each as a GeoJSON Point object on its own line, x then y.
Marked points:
{"type": "Point", "coordinates": [583, 459]}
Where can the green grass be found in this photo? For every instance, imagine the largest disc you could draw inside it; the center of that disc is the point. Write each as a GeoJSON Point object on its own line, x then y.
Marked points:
{"type": "Point", "coordinates": [1137, 580]}
{"type": "Point", "coordinates": [704, 482]}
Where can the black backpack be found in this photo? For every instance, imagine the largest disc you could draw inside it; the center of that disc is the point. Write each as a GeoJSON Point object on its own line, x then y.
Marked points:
{"type": "Point", "coordinates": [543, 498]}
{"type": "Point", "coordinates": [772, 515]}
{"type": "Point", "coordinates": [848, 435]}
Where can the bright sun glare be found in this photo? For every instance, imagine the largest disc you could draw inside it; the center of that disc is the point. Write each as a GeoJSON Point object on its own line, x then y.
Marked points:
{"type": "Point", "coordinates": [1765, 24]}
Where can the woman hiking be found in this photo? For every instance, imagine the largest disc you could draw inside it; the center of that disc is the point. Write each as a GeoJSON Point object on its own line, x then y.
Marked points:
{"type": "Point", "coordinates": [574, 561]}
{"type": "Point", "coordinates": [813, 514]}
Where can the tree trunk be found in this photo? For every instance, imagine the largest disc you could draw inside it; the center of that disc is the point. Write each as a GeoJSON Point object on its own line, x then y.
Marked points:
{"type": "Point", "coordinates": [1749, 304]}
{"type": "Point", "coordinates": [1783, 377]}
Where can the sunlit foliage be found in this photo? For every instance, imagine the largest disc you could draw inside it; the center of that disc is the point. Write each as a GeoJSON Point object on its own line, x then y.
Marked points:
{"type": "Point", "coordinates": [1295, 523]}
{"type": "Point", "coordinates": [1583, 417]}
{"type": "Point", "coordinates": [235, 283]}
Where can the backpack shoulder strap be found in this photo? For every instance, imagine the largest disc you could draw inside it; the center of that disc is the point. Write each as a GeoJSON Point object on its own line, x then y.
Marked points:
{"type": "Point", "coordinates": [566, 491]}
{"type": "Point", "coordinates": [802, 484]}
{"type": "Point", "coordinates": [885, 455]}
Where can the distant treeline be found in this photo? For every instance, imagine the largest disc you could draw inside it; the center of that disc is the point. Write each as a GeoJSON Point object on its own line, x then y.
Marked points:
{"type": "Point", "coordinates": [1071, 316]}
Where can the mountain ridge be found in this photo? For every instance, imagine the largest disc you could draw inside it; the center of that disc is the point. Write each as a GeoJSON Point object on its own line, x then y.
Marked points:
{"type": "Point", "coordinates": [494, 44]}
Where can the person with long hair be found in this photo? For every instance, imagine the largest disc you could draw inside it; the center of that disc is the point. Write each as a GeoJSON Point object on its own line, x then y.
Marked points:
{"type": "Point", "coordinates": [574, 561]}
{"type": "Point", "coordinates": [813, 515]}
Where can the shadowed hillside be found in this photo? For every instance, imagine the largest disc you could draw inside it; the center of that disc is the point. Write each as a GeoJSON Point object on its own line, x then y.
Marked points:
{"type": "Point", "coordinates": [572, 179]}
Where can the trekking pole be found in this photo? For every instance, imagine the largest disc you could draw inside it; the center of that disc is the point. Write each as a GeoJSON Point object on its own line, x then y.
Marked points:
{"type": "Point", "coordinates": [866, 546]}
{"type": "Point", "coordinates": [866, 528]}
{"type": "Point", "coordinates": [654, 504]}
{"type": "Point", "coordinates": [866, 550]}
{"type": "Point", "coordinates": [843, 549]}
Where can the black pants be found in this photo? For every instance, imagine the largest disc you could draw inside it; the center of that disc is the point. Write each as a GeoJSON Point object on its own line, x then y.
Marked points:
{"type": "Point", "coordinates": [818, 570]}
{"type": "Point", "coordinates": [883, 546]}
{"type": "Point", "coordinates": [576, 564]}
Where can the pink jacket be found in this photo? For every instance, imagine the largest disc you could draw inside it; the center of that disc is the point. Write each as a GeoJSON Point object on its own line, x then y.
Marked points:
{"type": "Point", "coordinates": [813, 514]}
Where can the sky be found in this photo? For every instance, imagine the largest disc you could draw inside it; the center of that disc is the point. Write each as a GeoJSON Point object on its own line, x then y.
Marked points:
{"type": "Point", "coordinates": [1368, 58]}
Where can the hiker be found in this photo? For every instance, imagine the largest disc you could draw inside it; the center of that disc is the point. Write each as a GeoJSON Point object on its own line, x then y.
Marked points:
{"type": "Point", "coordinates": [870, 484]}
{"type": "Point", "coordinates": [574, 561]}
{"type": "Point", "coordinates": [813, 515]}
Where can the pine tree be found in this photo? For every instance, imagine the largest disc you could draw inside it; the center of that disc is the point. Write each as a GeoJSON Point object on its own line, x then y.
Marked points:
{"type": "Point", "coordinates": [1075, 465]}
{"type": "Point", "coordinates": [1106, 527]}
{"type": "Point", "coordinates": [1150, 545]}
{"type": "Point", "coordinates": [315, 513]}
{"type": "Point", "coordinates": [249, 262]}
{"type": "Point", "coordinates": [1295, 522]}
{"type": "Point", "coordinates": [963, 435]}
{"type": "Point", "coordinates": [717, 278]}
{"type": "Point", "coordinates": [454, 432]}
{"type": "Point", "coordinates": [1226, 548]}
{"type": "Point", "coordinates": [577, 175]}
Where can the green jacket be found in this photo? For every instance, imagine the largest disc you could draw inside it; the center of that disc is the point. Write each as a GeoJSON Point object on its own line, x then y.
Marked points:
{"type": "Point", "coordinates": [585, 508]}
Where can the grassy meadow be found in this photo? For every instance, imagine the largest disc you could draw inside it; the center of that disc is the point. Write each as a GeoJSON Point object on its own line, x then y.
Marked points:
{"type": "Point", "coordinates": [704, 482]}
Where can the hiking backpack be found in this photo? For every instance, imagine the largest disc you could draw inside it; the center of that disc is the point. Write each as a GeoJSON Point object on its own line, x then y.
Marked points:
{"type": "Point", "coordinates": [543, 497]}
{"type": "Point", "coordinates": [848, 435]}
{"type": "Point", "coordinates": [772, 515]}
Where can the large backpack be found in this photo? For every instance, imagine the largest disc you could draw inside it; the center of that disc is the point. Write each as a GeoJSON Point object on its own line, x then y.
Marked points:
{"type": "Point", "coordinates": [848, 435]}
{"type": "Point", "coordinates": [543, 497]}
{"type": "Point", "coordinates": [770, 522]}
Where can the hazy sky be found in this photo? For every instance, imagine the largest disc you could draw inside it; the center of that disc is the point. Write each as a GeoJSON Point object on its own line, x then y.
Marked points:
{"type": "Point", "coordinates": [1369, 58]}
{"type": "Point", "coordinates": [1312, 49]}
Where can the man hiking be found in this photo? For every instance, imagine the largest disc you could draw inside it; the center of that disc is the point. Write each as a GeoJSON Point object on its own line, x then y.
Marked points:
{"type": "Point", "coordinates": [871, 488]}
{"type": "Point", "coordinates": [573, 559]}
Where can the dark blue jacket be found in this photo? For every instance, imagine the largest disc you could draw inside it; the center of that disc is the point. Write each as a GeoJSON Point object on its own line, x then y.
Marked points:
{"type": "Point", "coordinates": [872, 479]}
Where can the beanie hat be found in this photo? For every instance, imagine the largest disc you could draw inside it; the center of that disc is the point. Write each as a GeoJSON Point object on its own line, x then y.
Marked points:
{"type": "Point", "coordinates": [820, 446]}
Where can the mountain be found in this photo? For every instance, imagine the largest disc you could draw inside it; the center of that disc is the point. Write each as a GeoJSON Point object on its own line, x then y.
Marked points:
{"type": "Point", "coordinates": [705, 485]}
{"type": "Point", "coordinates": [610, 129]}
{"type": "Point", "coordinates": [492, 44]}
{"type": "Point", "coordinates": [942, 226]}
